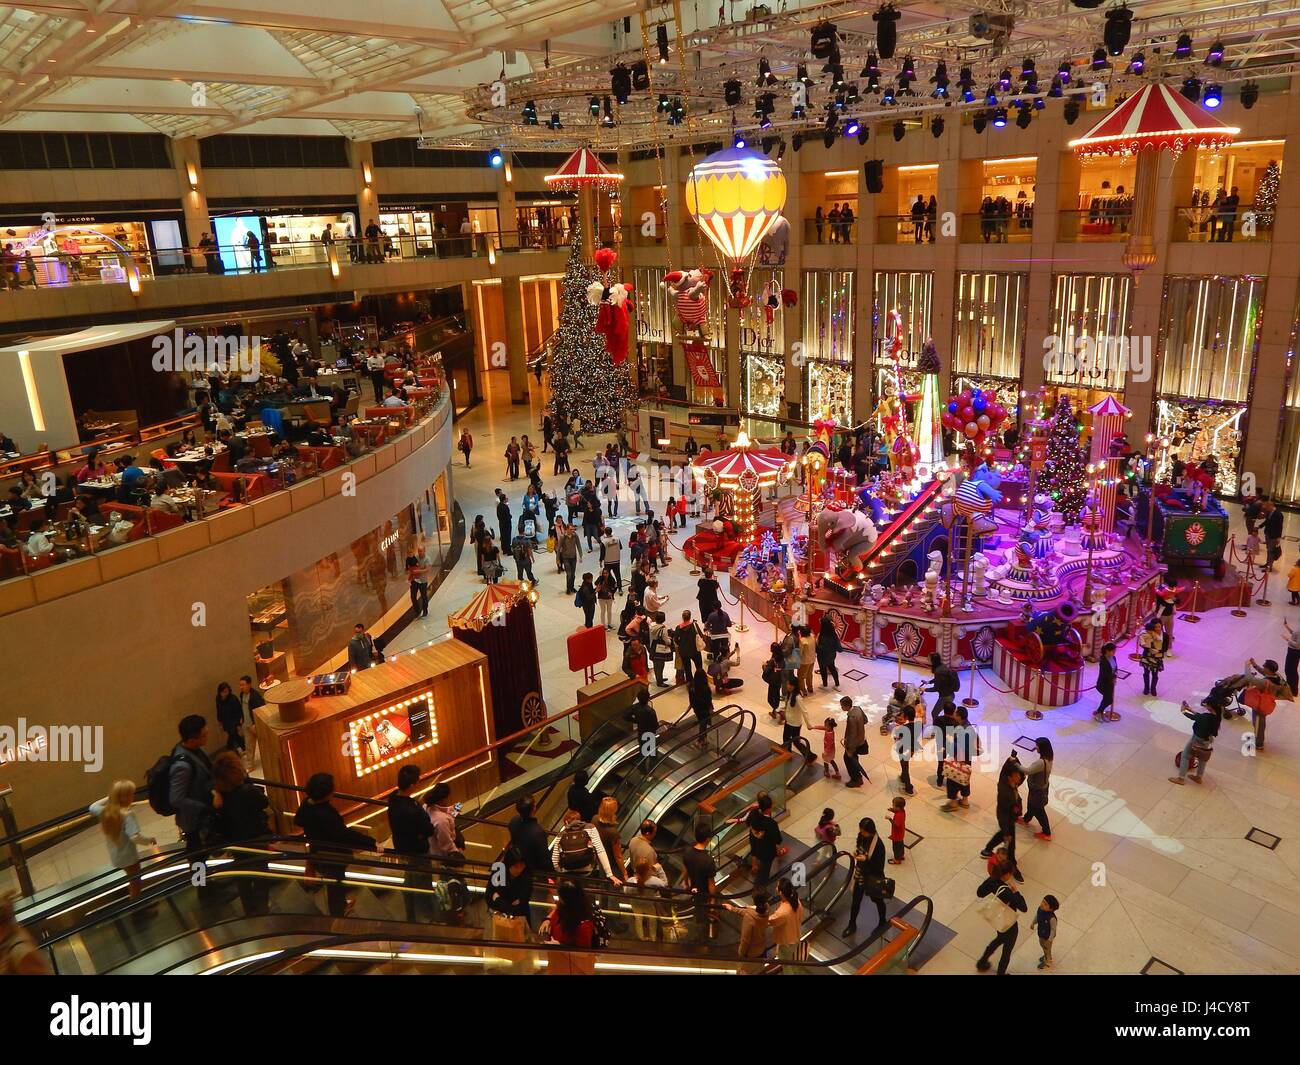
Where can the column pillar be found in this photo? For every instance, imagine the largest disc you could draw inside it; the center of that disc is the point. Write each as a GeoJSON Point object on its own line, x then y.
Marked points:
{"type": "Point", "coordinates": [675, 216]}
{"type": "Point", "coordinates": [869, 208]}
{"type": "Point", "coordinates": [943, 303]}
{"type": "Point", "coordinates": [507, 216]}
{"type": "Point", "coordinates": [193, 195]}
{"type": "Point", "coordinates": [363, 163]}
{"type": "Point", "coordinates": [792, 278]}
{"type": "Point", "coordinates": [512, 301]}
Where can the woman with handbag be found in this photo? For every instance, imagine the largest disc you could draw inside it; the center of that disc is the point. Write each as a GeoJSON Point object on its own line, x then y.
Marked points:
{"type": "Point", "coordinates": [868, 874]}
{"type": "Point", "coordinates": [1151, 647]}
{"type": "Point", "coordinates": [1264, 687]}
{"type": "Point", "coordinates": [786, 921]}
{"type": "Point", "coordinates": [1205, 726]}
{"type": "Point", "coordinates": [1002, 902]}
{"type": "Point", "coordinates": [962, 747]}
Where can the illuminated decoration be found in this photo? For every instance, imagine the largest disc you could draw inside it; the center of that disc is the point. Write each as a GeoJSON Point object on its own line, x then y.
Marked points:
{"type": "Point", "coordinates": [1266, 194]}
{"type": "Point", "coordinates": [1108, 418]}
{"type": "Point", "coordinates": [741, 473]}
{"type": "Point", "coordinates": [929, 432]}
{"type": "Point", "coordinates": [585, 382]}
{"type": "Point", "coordinates": [393, 734]}
{"type": "Point", "coordinates": [491, 604]}
{"type": "Point", "coordinates": [735, 197]}
{"type": "Point", "coordinates": [1198, 431]}
{"type": "Point", "coordinates": [1064, 468]}
{"type": "Point", "coordinates": [583, 170]}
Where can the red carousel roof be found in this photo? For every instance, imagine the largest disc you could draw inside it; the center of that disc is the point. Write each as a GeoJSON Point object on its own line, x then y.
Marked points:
{"type": "Point", "coordinates": [583, 169]}
{"type": "Point", "coordinates": [1108, 408]}
{"type": "Point", "coordinates": [494, 600]}
{"type": "Point", "coordinates": [742, 462]}
{"type": "Point", "coordinates": [1155, 117]}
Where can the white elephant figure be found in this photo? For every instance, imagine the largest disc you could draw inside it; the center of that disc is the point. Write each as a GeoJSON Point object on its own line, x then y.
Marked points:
{"type": "Point", "coordinates": [845, 534]}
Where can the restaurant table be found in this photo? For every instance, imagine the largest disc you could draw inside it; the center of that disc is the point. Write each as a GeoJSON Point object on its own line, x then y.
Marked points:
{"type": "Point", "coordinates": [7, 512]}
{"type": "Point", "coordinates": [100, 487]}
{"type": "Point", "coordinates": [196, 455]}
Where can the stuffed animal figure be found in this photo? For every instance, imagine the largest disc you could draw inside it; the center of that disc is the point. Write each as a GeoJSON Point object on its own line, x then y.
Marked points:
{"type": "Point", "coordinates": [690, 290]}
{"type": "Point", "coordinates": [846, 534]}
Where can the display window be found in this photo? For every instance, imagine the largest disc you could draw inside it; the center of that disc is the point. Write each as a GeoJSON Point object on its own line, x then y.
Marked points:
{"type": "Point", "coordinates": [989, 324]}
{"type": "Point", "coordinates": [828, 336]}
{"type": "Point", "coordinates": [81, 247]}
{"type": "Point", "coordinates": [916, 206]}
{"type": "Point", "coordinates": [284, 239]}
{"type": "Point", "coordinates": [1104, 209]}
{"type": "Point", "coordinates": [1088, 349]}
{"type": "Point", "coordinates": [1006, 212]}
{"type": "Point", "coordinates": [1234, 193]}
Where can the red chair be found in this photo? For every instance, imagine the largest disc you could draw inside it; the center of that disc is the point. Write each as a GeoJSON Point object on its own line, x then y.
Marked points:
{"type": "Point", "coordinates": [161, 521]}
{"type": "Point", "coordinates": [11, 562]}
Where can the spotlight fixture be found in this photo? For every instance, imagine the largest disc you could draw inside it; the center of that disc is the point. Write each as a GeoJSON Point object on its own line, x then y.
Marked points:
{"type": "Point", "coordinates": [887, 97]}
{"type": "Point", "coordinates": [530, 113]}
{"type": "Point", "coordinates": [822, 41]}
{"type": "Point", "coordinates": [731, 92]}
{"type": "Point", "coordinates": [555, 122]}
{"type": "Point", "coordinates": [899, 130]}
{"type": "Point", "coordinates": [796, 141]}
{"type": "Point", "coordinates": [852, 128]}
{"type": "Point", "coordinates": [1057, 90]}
{"type": "Point", "coordinates": [768, 144]}
{"type": "Point", "coordinates": [838, 103]}
{"type": "Point", "coordinates": [1213, 97]}
{"type": "Point", "coordinates": [1087, 5]}
{"type": "Point", "coordinates": [1191, 89]}
{"type": "Point", "coordinates": [1249, 94]}
{"type": "Point", "coordinates": [496, 159]}
{"type": "Point", "coordinates": [738, 141]}
{"type": "Point", "coordinates": [832, 122]}
{"type": "Point", "coordinates": [871, 68]}
{"type": "Point", "coordinates": [999, 118]}
{"type": "Point", "coordinates": [640, 76]}
{"type": "Point", "coordinates": [837, 76]}
{"type": "Point", "coordinates": [1030, 84]}
{"type": "Point", "coordinates": [828, 139]}
{"type": "Point", "coordinates": [991, 97]}
{"type": "Point", "coordinates": [1027, 67]}
{"type": "Point", "coordinates": [863, 133]}
{"type": "Point", "coordinates": [967, 96]}
{"type": "Point", "coordinates": [764, 122]}
{"type": "Point", "coordinates": [661, 41]}
{"type": "Point", "coordinates": [678, 113]}
{"type": "Point", "coordinates": [1063, 72]}
{"type": "Point", "coordinates": [608, 118]}
{"type": "Point", "coordinates": [1071, 111]}
{"type": "Point", "coordinates": [664, 105]}
{"type": "Point", "coordinates": [1023, 119]}
{"type": "Point", "coordinates": [1214, 57]}
{"type": "Point", "coordinates": [886, 19]}
{"type": "Point", "coordinates": [798, 111]}
{"type": "Point", "coordinates": [966, 79]}
{"type": "Point", "coordinates": [1004, 79]}
{"type": "Point", "coordinates": [1039, 103]}
{"type": "Point", "coordinates": [936, 127]}
{"type": "Point", "coordinates": [801, 74]}
{"type": "Point", "coordinates": [1099, 60]}
{"type": "Point", "coordinates": [940, 79]}
{"type": "Point", "coordinates": [620, 83]}
{"type": "Point", "coordinates": [593, 105]}
{"type": "Point", "coordinates": [909, 69]}
{"type": "Point", "coordinates": [765, 75]}
{"type": "Point", "coordinates": [873, 83]}
{"type": "Point", "coordinates": [981, 121]}
{"type": "Point", "coordinates": [1118, 29]}
{"type": "Point", "coordinates": [1183, 47]}
{"type": "Point", "coordinates": [1137, 64]}
{"type": "Point", "coordinates": [851, 93]}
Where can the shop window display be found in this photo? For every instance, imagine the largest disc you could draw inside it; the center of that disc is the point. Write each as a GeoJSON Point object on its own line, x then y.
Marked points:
{"type": "Point", "coordinates": [1233, 194]}
{"type": "Point", "coordinates": [1198, 431]}
{"type": "Point", "coordinates": [1087, 349]}
{"type": "Point", "coordinates": [1006, 211]}
{"type": "Point", "coordinates": [828, 335]}
{"type": "Point", "coordinates": [1210, 337]}
{"type": "Point", "coordinates": [911, 294]}
{"type": "Point", "coordinates": [989, 325]}
{"type": "Point", "coordinates": [1104, 210]}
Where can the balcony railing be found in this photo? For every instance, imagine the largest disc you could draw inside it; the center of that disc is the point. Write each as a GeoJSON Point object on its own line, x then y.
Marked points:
{"type": "Point", "coordinates": [1091, 225]}
{"type": "Point", "coordinates": [1204, 223]}
{"type": "Point", "coordinates": [904, 229]}
{"type": "Point", "coordinates": [71, 537]}
{"type": "Point", "coordinates": [830, 232]}
{"type": "Point", "coordinates": [33, 270]}
{"type": "Point", "coordinates": [978, 227]}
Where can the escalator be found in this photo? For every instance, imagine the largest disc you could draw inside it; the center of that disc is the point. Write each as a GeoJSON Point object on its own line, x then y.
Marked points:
{"type": "Point", "coordinates": [262, 909]}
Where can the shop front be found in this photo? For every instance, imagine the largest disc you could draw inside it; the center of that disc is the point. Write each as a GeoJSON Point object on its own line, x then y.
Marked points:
{"type": "Point", "coordinates": [828, 333]}
{"type": "Point", "coordinates": [1103, 209]}
{"type": "Point", "coordinates": [285, 235]}
{"type": "Point", "coordinates": [424, 226]}
{"type": "Point", "coordinates": [914, 220]}
{"type": "Point", "coordinates": [654, 331]}
{"type": "Point", "coordinates": [762, 348]}
{"type": "Point", "coordinates": [96, 242]}
{"type": "Point", "coordinates": [1233, 193]}
{"type": "Point", "coordinates": [911, 294]}
{"type": "Point", "coordinates": [989, 334]}
{"type": "Point", "coordinates": [544, 222]}
{"type": "Point", "coordinates": [1089, 350]}
{"type": "Point", "coordinates": [1006, 211]}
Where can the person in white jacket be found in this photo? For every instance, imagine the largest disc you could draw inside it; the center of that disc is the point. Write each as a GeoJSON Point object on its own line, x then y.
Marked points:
{"type": "Point", "coordinates": [122, 831]}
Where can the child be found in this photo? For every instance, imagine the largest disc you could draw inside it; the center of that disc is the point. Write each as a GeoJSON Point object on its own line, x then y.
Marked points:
{"type": "Point", "coordinates": [897, 825]}
{"type": "Point", "coordinates": [998, 856]}
{"type": "Point", "coordinates": [829, 768]}
{"type": "Point", "coordinates": [1293, 583]}
{"type": "Point", "coordinates": [903, 695]}
{"type": "Point", "coordinates": [1045, 919]}
{"type": "Point", "coordinates": [681, 511]}
{"type": "Point", "coordinates": [828, 829]}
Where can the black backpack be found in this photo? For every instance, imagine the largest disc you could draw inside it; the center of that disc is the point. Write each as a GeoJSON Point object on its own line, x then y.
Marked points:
{"type": "Point", "coordinates": [576, 852]}
{"type": "Point", "coordinates": [158, 780]}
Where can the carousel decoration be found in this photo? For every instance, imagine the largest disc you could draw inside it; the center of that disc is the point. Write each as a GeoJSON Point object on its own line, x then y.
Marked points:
{"type": "Point", "coordinates": [741, 473]}
{"type": "Point", "coordinates": [1154, 119]}
{"type": "Point", "coordinates": [735, 197]}
{"type": "Point", "coordinates": [583, 170]}
{"type": "Point", "coordinates": [499, 622]}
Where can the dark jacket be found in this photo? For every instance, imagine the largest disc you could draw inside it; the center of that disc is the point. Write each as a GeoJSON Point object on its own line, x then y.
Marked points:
{"type": "Point", "coordinates": [327, 833]}
{"type": "Point", "coordinates": [530, 837]}
{"type": "Point", "coordinates": [1008, 805]}
{"type": "Point", "coordinates": [945, 682]}
{"type": "Point", "coordinates": [409, 825]}
{"type": "Point", "coordinates": [190, 788]}
{"type": "Point", "coordinates": [1106, 675]}
{"type": "Point", "coordinates": [872, 862]}
{"type": "Point", "coordinates": [361, 651]}
{"type": "Point", "coordinates": [828, 643]}
{"type": "Point", "coordinates": [230, 712]}
{"type": "Point", "coordinates": [1273, 525]}
{"type": "Point", "coordinates": [503, 522]}
{"type": "Point", "coordinates": [242, 815]}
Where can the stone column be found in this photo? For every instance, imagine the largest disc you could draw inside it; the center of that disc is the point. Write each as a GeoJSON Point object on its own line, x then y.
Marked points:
{"type": "Point", "coordinates": [193, 195]}
{"type": "Point", "coordinates": [512, 299]}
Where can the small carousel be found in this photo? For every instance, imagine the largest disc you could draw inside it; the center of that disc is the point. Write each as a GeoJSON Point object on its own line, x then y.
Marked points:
{"type": "Point", "coordinates": [734, 481]}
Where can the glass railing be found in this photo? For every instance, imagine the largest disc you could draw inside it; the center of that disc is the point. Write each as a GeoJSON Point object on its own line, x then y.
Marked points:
{"type": "Point", "coordinates": [904, 229]}
{"type": "Point", "coordinates": [1205, 224]}
{"type": "Point", "coordinates": [977, 227]}
{"type": "Point", "coordinates": [38, 268]}
{"type": "Point", "coordinates": [830, 232]}
{"type": "Point", "coordinates": [201, 479]}
{"type": "Point", "coordinates": [1094, 224]}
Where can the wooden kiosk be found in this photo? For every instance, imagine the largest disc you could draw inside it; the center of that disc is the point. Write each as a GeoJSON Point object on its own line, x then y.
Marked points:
{"type": "Point", "coordinates": [431, 706]}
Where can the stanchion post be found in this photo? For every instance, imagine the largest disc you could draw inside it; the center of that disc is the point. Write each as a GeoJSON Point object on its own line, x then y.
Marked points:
{"type": "Point", "coordinates": [1196, 595]}
{"type": "Point", "coordinates": [970, 699]}
{"type": "Point", "coordinates": [1264, 600]}
{"type": "Point", "coordinates": [1035, 714]}
{"type": "Point", "coordinates": [742, 627]}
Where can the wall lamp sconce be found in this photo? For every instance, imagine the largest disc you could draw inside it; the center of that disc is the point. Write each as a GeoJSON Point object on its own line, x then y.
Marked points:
{"type": "Point", "coordinates": [133, 277]}
{"type": "Point", "coordinates": [366, 175]}
{"type": "Point", "coordinates": [192, 173]}
{"type": "Point", "coordinates": [333, 258]}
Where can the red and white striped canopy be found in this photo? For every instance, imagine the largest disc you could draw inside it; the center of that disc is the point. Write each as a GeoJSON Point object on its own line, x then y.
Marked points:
{"type": "Point", "coordinates": [1109, 407]}
{"type": "Point", "coordinates": [583, 169]}
{"type": "Point", "coordinates": [1155, 117]}
{"type": "Point", "coordinates": [763, 463]}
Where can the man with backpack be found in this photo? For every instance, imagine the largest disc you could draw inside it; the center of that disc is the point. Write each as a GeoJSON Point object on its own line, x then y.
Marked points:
{"type": "Point", "coordinates": [578, 848]}
{"type": "Point", "coordinates": [522, 548]}
{"type": "Point", "coordinates": [182, 787]}
{"type": "Point", "coordinates": [411, 829]}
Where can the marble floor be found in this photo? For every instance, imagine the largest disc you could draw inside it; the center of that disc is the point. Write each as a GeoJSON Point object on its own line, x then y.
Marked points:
{"type": "Point", "coordinates": [1149, 875]}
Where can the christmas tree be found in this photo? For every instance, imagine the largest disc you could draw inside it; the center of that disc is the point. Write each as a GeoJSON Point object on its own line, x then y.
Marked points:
{"type": "Point", "coordinates": [1266, 195]}
{"type": "Point", "coordinates": [1064, 471]}
{"type": "Point", "coordinates": [585, 383]}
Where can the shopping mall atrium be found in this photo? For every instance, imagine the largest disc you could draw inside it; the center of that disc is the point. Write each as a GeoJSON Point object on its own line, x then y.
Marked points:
{"type": "Point", "coordinates": [628, 488]}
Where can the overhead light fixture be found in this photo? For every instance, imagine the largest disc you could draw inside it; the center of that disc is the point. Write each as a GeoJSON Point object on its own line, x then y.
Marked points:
{"type": "Point", "coordinates": [1027, 68]}
{"type": "Point", "coordinates": [530, 113]}
{"type": "Point", "coordinates": [863, 134]}
{"type": "Point", "coordinates": [832, 122]}
{"type": "Point", "coordinates": [851, 93]}
{"type": "Point", "coordinates": [1071, 111]}
{"type": "Point", "coordinates": [739, 141]}
{"type": "Point", "coordinates": [664, 105]}
{"type": "Point", "coordinates": [1099, 60]}
{"type": "Point", "coordinates": [828, 139]}
{"type": "Point", "coordinates": [991, 97]}
{"type": "Point", "coordinates": [593, 105]}
{"type": "Point", "coordinates": [731, 92]}
{"type": "Point", "coordinates": [1249, 94]}
{"type": "Point", "coordinates": [796, 141]}
{"type": "Point", "coordinates": [1023, 119]}
{"type": "Point", "coordinates": [886, 20]}
{"type": "Point", "coordinates": [899, 130]}
{"type": "Point", "coordinates": [555, 122]}
{"type": "Point", "coordinates": [887, 97]}
{"type": "Point", "coordinates": [765, 75]}
{"type": "Point", "coordinates": [981, 121]}
{"type": "Point", "coordinates": [1057, 90]}
{"type": "Point", "coordinates": [1213, 97]}
{"type": "Point", "coordinates": [822, 41]}
{"type": "Point", "coordinates": [1063, 72]}
{"type": "Point", "coordinates": [1183, 47]}
{"type": "Point", "coordinates": [1191, 89]}
{"type": "Point", "coordinates": [940, 79]}
{"type": "Point", "coordinates": [801, 74]}
{"type": "Point", "coordinates": [661, 41]}
{"type": "Point", "coordinates": [1004, 79]}
{"type": "Point", "coordinates": [620, 83]}
{"type": "Point", "coordinates": [1118, 29]}
{"type": "Point", "coordinates": [1137, 64]}
{"type": "Point", "coordinates": [909, 69]}
{"type": "Point", "coordinates": [192, 173]}
{"type": "Point", "coordinates": [1000, 117]}
{"type": "Point", "coordinates": [495, 158]}
{"type": "Point", "coordinates": [852, 128]}
{"type": "Point", "coordinates": [1214, 57]}
{"type": "Point", "coordinates": [936, 127]}
{"type": "Point", "coordinates": [608, 118]}
{"type": "Point", "coordinates": [640, 76]}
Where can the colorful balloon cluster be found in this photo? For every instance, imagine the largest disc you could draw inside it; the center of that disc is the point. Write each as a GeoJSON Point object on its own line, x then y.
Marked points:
{"type": "Point", "coordinates": [974, 414]}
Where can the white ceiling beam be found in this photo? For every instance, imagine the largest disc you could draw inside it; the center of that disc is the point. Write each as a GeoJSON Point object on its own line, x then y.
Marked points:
{"type": "Point", "coordinates": [208, 77]}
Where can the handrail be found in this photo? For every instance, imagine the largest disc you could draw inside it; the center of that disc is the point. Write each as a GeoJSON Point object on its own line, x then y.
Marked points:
{"type": "Point", "coordinates": [891, 949]}
{"type": "Point", "coordinates": [779, 757]}
{"type": "Point", "coordinates": [910, 942]}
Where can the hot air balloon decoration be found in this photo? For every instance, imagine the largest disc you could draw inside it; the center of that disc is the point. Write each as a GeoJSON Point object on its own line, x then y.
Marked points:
{"type": "Point", "coordinates": [735, 197]}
